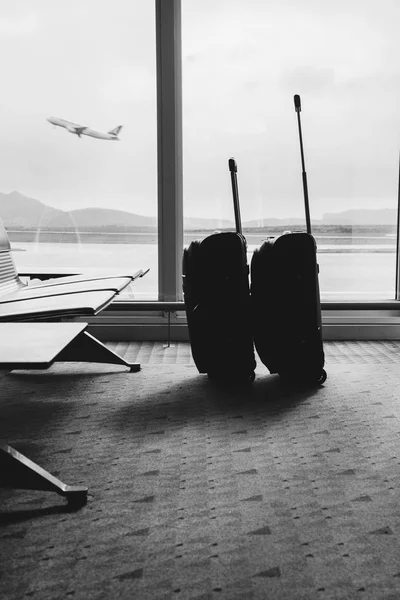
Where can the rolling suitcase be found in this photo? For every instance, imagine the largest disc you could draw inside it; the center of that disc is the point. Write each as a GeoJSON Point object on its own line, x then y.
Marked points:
{"type": "Point", "coordinates": [217, 301]}
{"type": "Point", "coordinates": [285, 299]}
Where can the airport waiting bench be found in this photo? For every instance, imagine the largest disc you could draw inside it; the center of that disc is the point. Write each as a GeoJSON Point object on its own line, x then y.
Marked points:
{"type": "Point", "coordinates": [37, 328]}
{"type": "Point", "coordinates": [59, 299]}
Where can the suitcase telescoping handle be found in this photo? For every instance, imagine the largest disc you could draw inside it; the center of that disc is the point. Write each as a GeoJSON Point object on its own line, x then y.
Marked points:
{"type": "Point", "coordinates": [297, 107]}
{"type": "Point", "coordinates": [235, 194]}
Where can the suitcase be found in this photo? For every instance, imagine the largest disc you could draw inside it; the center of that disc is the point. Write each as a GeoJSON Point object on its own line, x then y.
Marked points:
{"type": "Point", "coordinates": [217, 301]}
{"type": "Point", "coordinates": [285, 300]}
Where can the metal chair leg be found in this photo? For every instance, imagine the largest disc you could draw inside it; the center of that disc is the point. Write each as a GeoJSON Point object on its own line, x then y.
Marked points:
{"type": "Point", "coordinates": [19, 472]}
{"type": "Point", "coordinates": [86, 348]}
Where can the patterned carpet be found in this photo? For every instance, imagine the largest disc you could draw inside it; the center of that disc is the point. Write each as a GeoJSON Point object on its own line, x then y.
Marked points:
{"type": "Point", "coordinates": [201, 492]}
{"type": "Point", "coordinates": [343, 352]}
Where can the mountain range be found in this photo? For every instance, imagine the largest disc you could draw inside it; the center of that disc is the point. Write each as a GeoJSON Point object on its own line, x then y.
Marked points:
{"type": "Point", "coordinates": [19, 211]}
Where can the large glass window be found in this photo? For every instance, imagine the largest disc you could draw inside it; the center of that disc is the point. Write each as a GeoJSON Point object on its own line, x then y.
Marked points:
{"type": "Point", "coordinates": [242, 64]}
{"type": "Point", "coordinates": [72, 202]}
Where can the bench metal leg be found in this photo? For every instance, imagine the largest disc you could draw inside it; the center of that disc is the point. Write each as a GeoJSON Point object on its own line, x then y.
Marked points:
{"type": "Point", "coordinates": [86, 348]}
{"type": "Point", "coordinates": [19, 472]}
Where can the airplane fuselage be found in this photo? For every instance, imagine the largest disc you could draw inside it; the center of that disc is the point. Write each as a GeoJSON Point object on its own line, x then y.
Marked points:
{"type": "Point", "coordinates": [83, 130]}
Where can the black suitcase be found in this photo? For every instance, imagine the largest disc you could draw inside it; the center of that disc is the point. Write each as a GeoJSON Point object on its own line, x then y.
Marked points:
{"type": "Point", "coordinates": [217, 301]}
{"type": "Point", "coordinates": [285, 300]}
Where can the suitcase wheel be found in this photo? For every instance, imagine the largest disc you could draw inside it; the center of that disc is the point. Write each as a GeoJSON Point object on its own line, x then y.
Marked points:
{"type": "Point", "coordinates": [322, 378]}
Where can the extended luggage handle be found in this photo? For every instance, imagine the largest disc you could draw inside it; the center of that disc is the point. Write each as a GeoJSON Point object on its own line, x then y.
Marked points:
{"type": "Point", "coordinates": [297, 107]}
{"type": "Point", "coordinates": [235, 194]}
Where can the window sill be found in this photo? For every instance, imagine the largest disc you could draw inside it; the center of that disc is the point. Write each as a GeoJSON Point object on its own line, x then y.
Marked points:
{"type": "Point", "coordinates": [153, 320]}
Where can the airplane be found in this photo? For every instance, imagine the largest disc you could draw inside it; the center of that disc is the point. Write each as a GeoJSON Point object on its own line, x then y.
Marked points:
{"type": "Point", "coordinates": [83, 130]}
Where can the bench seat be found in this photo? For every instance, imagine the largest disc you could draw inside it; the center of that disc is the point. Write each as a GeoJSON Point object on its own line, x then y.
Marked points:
{"type": "Point", "coordinates": [87, 277]}
{"type": "Point", "coordinates": [31, 292]}
{"type": "Point", "coordinates": [56, 307]}
{"type": "Point", "coordinates": [35, 345]}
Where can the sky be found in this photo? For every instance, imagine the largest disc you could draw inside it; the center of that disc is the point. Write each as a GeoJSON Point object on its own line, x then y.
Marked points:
{"type": "Point", "coordinates": [93, 62]}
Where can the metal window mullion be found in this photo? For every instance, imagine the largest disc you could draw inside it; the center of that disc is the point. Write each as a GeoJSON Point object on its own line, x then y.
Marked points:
{"type": "Point", "coordinates": [169, 149]}
{"type": "Point", "coordinates": [397, 289]}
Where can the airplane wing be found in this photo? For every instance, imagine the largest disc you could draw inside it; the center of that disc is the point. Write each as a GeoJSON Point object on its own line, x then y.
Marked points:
{"type": "Point", "coordinates": [78, 129]}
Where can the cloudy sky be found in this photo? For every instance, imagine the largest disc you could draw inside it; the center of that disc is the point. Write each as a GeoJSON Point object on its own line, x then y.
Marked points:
{"type": "Point", "coordinates": [93, 62]}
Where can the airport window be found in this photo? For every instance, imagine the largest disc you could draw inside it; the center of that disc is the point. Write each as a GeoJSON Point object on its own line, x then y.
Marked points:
{"type": "Point", "coordinates": [79, 192]}
{"type": "Point", "coordinates": [69, 200]}
{"type": "Point", "coordinates": [242, 64]}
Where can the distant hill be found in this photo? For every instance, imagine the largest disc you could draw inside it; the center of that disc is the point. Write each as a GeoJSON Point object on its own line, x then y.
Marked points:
{"type": "Point", "coordinates": [276, 222]}
{"type": "Point", "coordinates": [100, 217]}
{"type": "Point", "coordinates": [362, 216]}
{"type": "Point", "coordinates": [19, 211]}
{"type": "Point", "coordinates": [193, 223]}
{"type": "Point", "coordinates": [378, 216]}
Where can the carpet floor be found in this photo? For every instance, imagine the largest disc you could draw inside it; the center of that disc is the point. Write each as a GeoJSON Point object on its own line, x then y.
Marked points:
{"type": "Point", "coordinates": [197, 491]}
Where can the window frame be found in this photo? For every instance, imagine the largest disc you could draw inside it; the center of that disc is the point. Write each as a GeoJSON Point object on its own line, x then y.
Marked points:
{"type": "Point", "coordinates": [169, 149]}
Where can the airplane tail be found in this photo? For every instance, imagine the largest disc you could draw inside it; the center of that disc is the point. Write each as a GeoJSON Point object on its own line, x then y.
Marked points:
{"type": "Point", "coordinates": [116, 130]}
